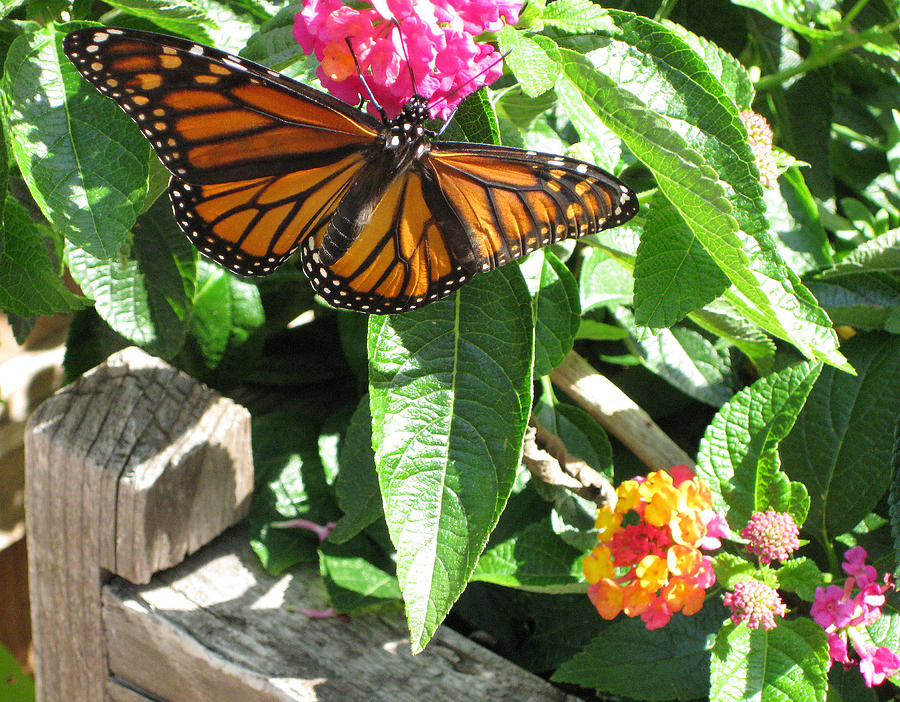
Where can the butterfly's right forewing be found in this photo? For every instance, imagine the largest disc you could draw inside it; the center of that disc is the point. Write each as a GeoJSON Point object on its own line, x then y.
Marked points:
{"type": "Point", "coordinates": [258, 161]}
{"type": "Point", "coordinates": [213, 117]}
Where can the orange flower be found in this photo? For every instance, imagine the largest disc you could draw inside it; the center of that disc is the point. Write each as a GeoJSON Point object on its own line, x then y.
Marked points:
{"type": "Point", "coordinates": [653, 566]}
{"type": "Point", "coordinates": [607, 597]}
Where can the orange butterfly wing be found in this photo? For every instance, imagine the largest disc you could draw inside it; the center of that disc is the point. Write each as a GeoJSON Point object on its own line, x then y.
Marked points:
{"type": "Point", "coordinates": [460, 210]}
{"type": "Point", "coordinates": [262, 164]}
{"type": "Point", "coordinates": [258, 160]}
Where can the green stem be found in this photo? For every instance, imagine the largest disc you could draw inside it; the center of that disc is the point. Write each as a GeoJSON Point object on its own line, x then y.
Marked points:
{"type": "Point", "coordinates": [665, 9]}
{"type": "Point", "coordinates": [852, 13]}
{"type": "Point", "coordinates": [822, 58]}
{"type": "Point", "coordinates": [833, 565]}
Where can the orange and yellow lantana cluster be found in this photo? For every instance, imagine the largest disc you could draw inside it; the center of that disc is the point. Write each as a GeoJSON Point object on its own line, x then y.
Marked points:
{"type": "Point", "coordinates": [649, 561]}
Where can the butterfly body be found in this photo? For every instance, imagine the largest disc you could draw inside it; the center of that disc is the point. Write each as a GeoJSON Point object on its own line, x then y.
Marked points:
{"type": "Point", "coordinates": [385, 220]}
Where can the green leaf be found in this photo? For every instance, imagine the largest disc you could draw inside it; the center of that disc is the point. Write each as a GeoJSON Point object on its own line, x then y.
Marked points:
{"type": "Point", "coordinates": [602, 281]}
{"type": "Point", "coordinates": [528, 60]}
{"type": "Point", "coordinates": [863, 290]}
{"type": "Point", "coordinates": [789, 662]}
{"type": "Point", "coordinates": [795, 224]}
{"type": "Point", "coordinates": [534, 559]}
{"type": "Point", "coordinates": [577, 16]}
{"type": "Point", "coordinates": [15, 686]}
{"type": "Point", "coordinates": [474, 121]}
{"type": "Point", "coordinates": [868, 301]}
{"type": "Point", "coordinates": [800, 575]}
{"type": "Point", "coordinates": [84, 161]}
{"type": "Point", "coordinates": [649, 63]}
{"type": "Point", "coordinates": [673, 273]}
{"type": "Point", "coordinates": [791, 15]}
{"type": "Point", "coordinates": [730, 569]}
{"type": "Point", "coordinates": [840, 447]}
{"type": "Point", "coordinates": [894, 496]}
{"type": "Point", "coordinates": [176, 16]}
{"type": "Point", "coordinates": [226, 311]}
{"type": "Point", "coordinates": [721, 319]}
{"type": "Point", "coordinates": [289, 484]}
{"type": "Point", "coordinates": [450, 389]}
{"type": "Point", "coordinates": [7, 6]}
{"type": "Point", "coordinates": [726, 68]}
{"type": "Point", "coordinates": [556, 306]}
{"type": "Point", "coordinates": [145, 292]}
{"type": "Point", "coordinates": [744, 431]}
{"type": "Point", "coordinates": [29, 282]}
{"type": "Point", "coordinates": [881, 254]}
{"type": "Point", "coordinates": [683, 358]}
{"type": "Point", "coordinates": [273, 45]}
{"type": "Point", "coordinates": [663, 664]}
{"type": "Point", "coordinates": [357, 575]}
{"type": "Point", "coordinates": [357, 484]}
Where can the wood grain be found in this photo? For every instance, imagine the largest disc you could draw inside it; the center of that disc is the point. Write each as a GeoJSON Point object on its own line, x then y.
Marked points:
{"type": "Point", "coordinates": [219, 628]}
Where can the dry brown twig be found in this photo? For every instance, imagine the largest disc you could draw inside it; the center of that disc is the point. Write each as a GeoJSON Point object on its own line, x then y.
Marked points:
{"type": "Point", "coordinates": [546, 456]}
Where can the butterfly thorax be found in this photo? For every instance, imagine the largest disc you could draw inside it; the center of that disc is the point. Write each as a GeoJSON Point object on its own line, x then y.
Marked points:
{"type": "Point", "coordinates": [401, 142]}
{"type": "Point", "coordinates": [405, 135]}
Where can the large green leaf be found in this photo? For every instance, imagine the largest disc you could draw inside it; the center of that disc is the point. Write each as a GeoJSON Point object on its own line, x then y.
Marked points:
{"type": "Point", "coordinates": [673, 273]}
{"type": "Point", "coordinates": [357, 483]}
{"type": "Point", "coordinates": [663, 664]}
{"type": "Point", "coordinates": [840, 447]}
{"type": "Point", "coordinates": [84, 161]}
{"type": "Point", "coordinates": [177, 16]}
{"type": "Point", "coordinates": [556, 308]}
{"type": "Point", "coordinates": [227, 309]}
{"type": "Point", "coordinates": [676, 117]}
{"type": "Point", "coordinates": [29, 283]}
{"type": "Point", "coordinates": [534, 558]}
{"type": "Point", "coordinates": [450, 389]}
{"type": "Point", "coordinates": [734, 455]}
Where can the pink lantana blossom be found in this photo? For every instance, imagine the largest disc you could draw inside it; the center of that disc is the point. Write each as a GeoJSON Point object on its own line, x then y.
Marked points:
{"type": "Point", "coordinates": [843, 616]}
{"type": "Point", "coordinates": [877, 665]}
{"type": "Point", "coordinates": [831, 607]}
{"type": "Point", "coordinates": [771, 535]}
{"type": "Point", "coordinates": [855, 566]}
{"type": "Point", "coordinates": [437, 37]}
{"type": "Point", "coordinates": [754, 604]}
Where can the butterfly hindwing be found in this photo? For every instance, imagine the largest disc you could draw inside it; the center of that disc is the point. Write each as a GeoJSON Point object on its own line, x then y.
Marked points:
{"type": "Point", "coordinates": [412, 251]}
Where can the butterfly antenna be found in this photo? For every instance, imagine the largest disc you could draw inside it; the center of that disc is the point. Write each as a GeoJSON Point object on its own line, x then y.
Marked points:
{"type": "Point", "coordinates": [359, 72]}
{"type": "Point", "coordinates": [445, 98]}
{"type": "Point", "coordinates": [405, 55]}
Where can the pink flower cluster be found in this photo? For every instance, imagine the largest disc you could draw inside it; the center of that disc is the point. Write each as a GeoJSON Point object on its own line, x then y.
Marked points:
{"type": "Point", "coordinates": [771, 535]}
{"type": "Point", "coordinates": [755, 604]}
{"type": "Point", "coordinates": [438, 38]}
{"type": "Point", "coordinates": [843, 614]}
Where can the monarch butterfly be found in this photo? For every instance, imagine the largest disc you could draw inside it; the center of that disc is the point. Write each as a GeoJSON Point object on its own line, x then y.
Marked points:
{"type": "Point", "coordinates": [385, 219]}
